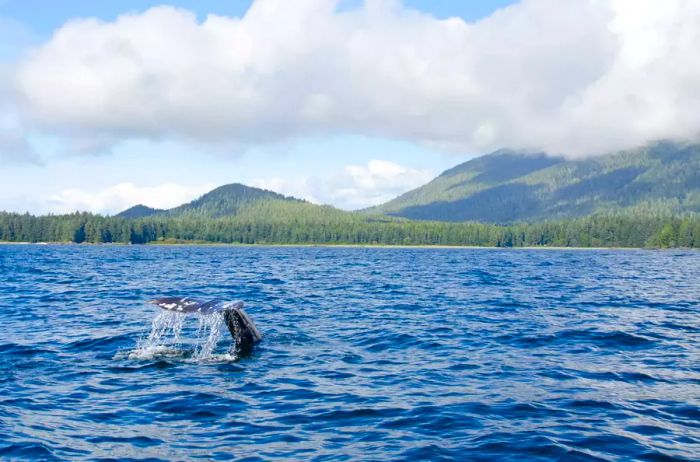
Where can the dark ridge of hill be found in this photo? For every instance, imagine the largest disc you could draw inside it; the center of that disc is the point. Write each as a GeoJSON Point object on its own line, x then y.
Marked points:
{"type": "Point", "coordinates": [139, 211]}
{"type": "Point", "coordinates": [509, 186]}
{"type": "Point", "coordinates": [237, 200]}
{"type": "Point", "coordinates": [228, 200]}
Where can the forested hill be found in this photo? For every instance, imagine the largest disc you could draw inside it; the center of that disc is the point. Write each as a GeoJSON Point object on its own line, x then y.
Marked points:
{"type": "Point", "coordinates": [643, 198]}
{"type": "Point", "coordinates": [228, 200]}
{"type": "Point", "coordinates": [238, 214]}
{"type": "Point", "coordinates": [140, 211]}
{"type": "Point", "coordinates": [508, 186]}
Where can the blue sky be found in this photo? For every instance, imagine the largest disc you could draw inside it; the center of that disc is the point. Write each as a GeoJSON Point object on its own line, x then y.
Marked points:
{"type": "Point", "coordinates": [44, 17]}
{"type": "Point", "coordinates": [41, 186]}
{"type": "Point", "coordinates": [338, 101]}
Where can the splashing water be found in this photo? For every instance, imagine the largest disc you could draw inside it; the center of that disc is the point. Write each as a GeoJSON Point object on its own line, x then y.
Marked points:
{"type": "Point", "coordinates": [166, 338]}
{"type": "Point", "coordinates": [163, 324]}
{"type": "Point", "coordinates": [208, 335]}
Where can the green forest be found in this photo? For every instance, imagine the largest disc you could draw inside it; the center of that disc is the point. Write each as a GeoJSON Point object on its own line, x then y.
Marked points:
{"type": "Point", "coordinates": [509, 187]}
{"type": "Point", "coordinates": [649, 197]}
{"type": "Point", "coordinates": [343, 228]}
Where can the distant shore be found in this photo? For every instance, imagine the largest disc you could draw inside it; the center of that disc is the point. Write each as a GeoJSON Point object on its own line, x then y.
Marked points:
{"type": "Point", "coordinates": [348, 246]}
{"type": "Point", "coordinates": [388, 246]}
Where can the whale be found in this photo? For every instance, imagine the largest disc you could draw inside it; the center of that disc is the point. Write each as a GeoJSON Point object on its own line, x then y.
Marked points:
{"type": "Point", "coordinates": [242, 328]}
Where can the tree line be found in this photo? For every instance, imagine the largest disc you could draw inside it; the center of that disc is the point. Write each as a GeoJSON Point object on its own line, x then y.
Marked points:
{"type": "Point", "coordinates": [341, 228]}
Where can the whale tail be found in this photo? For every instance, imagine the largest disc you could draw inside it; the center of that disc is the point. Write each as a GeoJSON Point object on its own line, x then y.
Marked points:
{"type": "Point", "coordinates": [242, 328]}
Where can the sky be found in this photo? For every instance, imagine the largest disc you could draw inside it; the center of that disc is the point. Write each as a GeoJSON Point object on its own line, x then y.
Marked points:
{"type": "Point", "coordinates": [107, 104]}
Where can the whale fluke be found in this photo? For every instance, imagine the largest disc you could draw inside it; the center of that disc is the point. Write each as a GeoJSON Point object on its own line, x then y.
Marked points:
{"type": "Point", "coordinates": [242, 328]}
{"type": "Point", "coordinates": [188, 305]}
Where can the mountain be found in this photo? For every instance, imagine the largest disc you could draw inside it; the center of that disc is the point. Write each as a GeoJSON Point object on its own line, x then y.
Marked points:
{"type": "Point", "coordinates": [228, 200]}
{"type": "Point", "coordinates": [225, 200]}
{"type": "Point", "coordinates": [139, 211]}
{"type": "Point", "coordinates": [509, 186]}
{"type": "Point", "coordinates": [503, 187]}
{"type": "Point", "coordinates": [237, 200]}
{"type": "Point", "coordinates": [662, 180]}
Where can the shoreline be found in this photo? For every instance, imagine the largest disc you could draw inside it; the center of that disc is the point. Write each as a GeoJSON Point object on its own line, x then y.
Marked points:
{"type": "Point", "coordinates": [346, 246]}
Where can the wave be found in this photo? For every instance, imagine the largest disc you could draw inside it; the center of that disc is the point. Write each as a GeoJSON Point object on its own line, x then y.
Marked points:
{"type": "Point", "coordinates": [374, 354]}
{"type": "Point", "coordinates": [615, 339]}
{"type": "Point", "coordinates": [19, 350]}
{"type": "Point", "coordinates": [28, 450]}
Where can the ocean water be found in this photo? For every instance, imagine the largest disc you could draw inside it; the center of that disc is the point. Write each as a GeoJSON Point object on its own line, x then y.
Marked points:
{"type": "Point", "coordinates": [368, 354]}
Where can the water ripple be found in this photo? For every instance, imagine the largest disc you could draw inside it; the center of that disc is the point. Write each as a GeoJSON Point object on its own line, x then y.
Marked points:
{"type": "Point", "coordinates": [374, 354]}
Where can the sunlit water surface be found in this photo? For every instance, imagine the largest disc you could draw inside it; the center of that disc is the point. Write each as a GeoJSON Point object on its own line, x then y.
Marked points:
{"type": "Point", "coordinates": [373, 354]}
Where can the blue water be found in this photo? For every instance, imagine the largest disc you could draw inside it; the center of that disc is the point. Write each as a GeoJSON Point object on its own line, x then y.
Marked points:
{"type": "Point", "coordinates": [372, 354]}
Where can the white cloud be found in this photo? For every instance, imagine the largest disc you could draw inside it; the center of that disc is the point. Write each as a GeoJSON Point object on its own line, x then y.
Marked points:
{"type": "Point", "coordinates": [354, 187]}
{"type": "Point", "coordinates": [119, 197]}
{"type": "Point", "coordinates": [15, 37]}
{"type": "Point", "coordinates": [576, 76]}
{"type": "Point", "coordinates": [13, 142]}
{"type": "Point", "coordinates": [13, 147]}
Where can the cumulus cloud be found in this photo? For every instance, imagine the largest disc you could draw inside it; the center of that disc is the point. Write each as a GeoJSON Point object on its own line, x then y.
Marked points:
{"type": "Point", "coordinates": [354, 187]}
{"type": "Point", "coordinates": [114, 199]}
{"type": "Point", "coordinates": [14, 147]}
{"type": "Point", "coordinates": [576, 77]}
{"type": "Point", "coordinates": [13, 141]}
